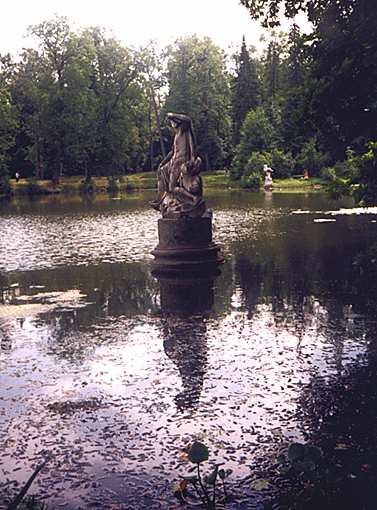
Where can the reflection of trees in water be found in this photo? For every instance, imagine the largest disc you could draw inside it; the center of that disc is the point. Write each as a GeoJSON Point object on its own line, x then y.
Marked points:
{"type": "Point", "coordinates": [5, 337]}
{"type": "Point", "coordinates": [337, 403]}
{"type": "Point", "coordinates": [340, 415]}
{"type": "Point", "coordinates": [332, 295]}
{"type": "Point", "coordinates": [125, 290]}
{"type": "Point", "coordinates": [186, 345]}
{"type": "Point", "coordinates": [109, 290]}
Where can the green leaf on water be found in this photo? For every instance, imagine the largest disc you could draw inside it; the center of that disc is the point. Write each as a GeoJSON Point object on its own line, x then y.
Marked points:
{"type": "Point", "coordinates": [224, 473]}
{"type": "Point", "coordinates": [260, 484]}
{"type": "Point", "coordinates": [192, 479]}
{"type": "Point", "coordinates": [177, 490]}
{"type": "Point", "coordinates": [211, 478]}
{"type": "Point", "coordinates": [341, 446]}
{"type": "Point", "coordinates": [296, 451]}
{"type": "Point", "coordinates": [304, 466]}
{"type": "Point", "coordinates": [198, 453]}
{"type": "Point", "coordinates": [314, 453]}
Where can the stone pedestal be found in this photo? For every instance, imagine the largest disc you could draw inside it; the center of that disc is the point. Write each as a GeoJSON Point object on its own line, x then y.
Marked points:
{"type": "Point", "coordinates": [185, 245]}
{"type": "Point", "coordinates": [182, 297]}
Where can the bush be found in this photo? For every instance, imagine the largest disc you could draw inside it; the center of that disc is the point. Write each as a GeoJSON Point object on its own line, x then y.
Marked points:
{"type": "Point", "coordinates": [342, 168]}
{"type": "Point", "coordinates": [255, 163]}
{"type": "Point", "coordinates": [5, 188]}
{"type": "Point", "coordinates": [339, 188]}
{"type": "Point", "coordinates": [128, 185]}
{"type": "Point", "coordinates": [310, 158]}
{"type": "Point", "coordinates": [367, 169]}
{"type": "Point", "coordinates": [236, 170]}
{"type": "Point", "coordinates": [252, 181]}
{"type": "Point", "coordinates": [257, 135]}
{"type": "Point", "coordinates": [328, 174]}
{"type": "Point", "coordinates": [87, 186]}
{"type": "Point", "coordinates": [113, 184]}
{"type": "Point", "coordinates": [283, 163]}
{"type": "Point", "coordinates": [33, 188]}
{"type": "Point", "coordinates": [357, 175]}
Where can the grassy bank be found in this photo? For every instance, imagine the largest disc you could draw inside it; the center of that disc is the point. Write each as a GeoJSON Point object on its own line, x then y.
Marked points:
{"type": "Point", "coordinates": [298, 184]}
{"type": "Point", "coordinates": [75, 184]}
{"type": "Point", "coordinates": [142, 181]}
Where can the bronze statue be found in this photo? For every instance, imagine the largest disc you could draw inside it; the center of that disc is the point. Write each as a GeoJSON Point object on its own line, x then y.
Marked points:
{"type": "Point", "coordinates": [179, 185]}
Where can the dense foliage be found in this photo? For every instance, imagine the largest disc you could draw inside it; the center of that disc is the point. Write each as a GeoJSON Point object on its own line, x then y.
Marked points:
{"type": "Point", "coordinates": [199, 86]}
{"type": "Point", "coordinates": [333, 84]}
{"type": "Point", "coordinates": [82, 104]}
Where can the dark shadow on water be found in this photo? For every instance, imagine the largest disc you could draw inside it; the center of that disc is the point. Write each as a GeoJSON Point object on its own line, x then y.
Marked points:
{"type": "Point", "coordinates": [341, 418]}
{"type": "Point", "coordinates": [339, 413]}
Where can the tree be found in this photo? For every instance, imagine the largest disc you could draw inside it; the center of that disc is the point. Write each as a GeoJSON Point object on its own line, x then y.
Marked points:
{"type": "Point", "coordinates": [8, 120]}
{"type": "Point", "coordinates": [245, 90]}
{"type": "Point", "coordinates": [54, 38]}
{"type": "Point", "coordinates": [199, 87]}
{"type": "Point", "coordinates": [311, 158]}
{"type": "Point", "coordinates": [30, 92]}
{"type": "Point", "coordinates": [273, 70]}
{"type": "Point", "coordinates": [341, 88]}
{"type": "Point", "coordinates": [121, 106]}
{"type": "Point", "coordinates": [257, 135]}
{"type": "Point", "coordinates": [296, 125]}
{"type": "Point", "coordinates": [274, 81]}
{"type": "Point", "coordinates": [342, 84]}
{"type": "Point", "coordinates": [82, 104]}
{"type": "Point", "coordinates": [270, 10]}
{"type": "Point", "coordinates": [154, 83]}
{"type": "Point", "coordinates": [343, 81]}
{"type": "Point", "coordinates": [367, 168]}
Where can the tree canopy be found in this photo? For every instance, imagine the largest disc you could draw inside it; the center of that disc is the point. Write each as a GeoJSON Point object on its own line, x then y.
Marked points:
{"type": "Point", "coordinates": [80, 103]}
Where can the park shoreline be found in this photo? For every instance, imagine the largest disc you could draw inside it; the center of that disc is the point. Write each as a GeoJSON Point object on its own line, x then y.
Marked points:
{"type": "Point", "coordinates": [143, 181]}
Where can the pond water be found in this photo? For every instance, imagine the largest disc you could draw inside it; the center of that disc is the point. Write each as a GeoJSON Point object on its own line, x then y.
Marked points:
{"type": "Point", "coordinates": [111, 372]}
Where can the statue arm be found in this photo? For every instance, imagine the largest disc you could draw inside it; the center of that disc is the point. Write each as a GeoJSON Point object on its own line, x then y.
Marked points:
{"type": "Point", "coordinates": [179, 117]}
{"type": "Point", "coordinates": [166, 159]}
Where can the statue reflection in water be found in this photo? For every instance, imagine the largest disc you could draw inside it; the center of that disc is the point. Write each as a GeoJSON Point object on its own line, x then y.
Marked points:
{"type": "Point", "coordinates": [185, 344]}
{"type": "Point", "coordinates": [185, 305]}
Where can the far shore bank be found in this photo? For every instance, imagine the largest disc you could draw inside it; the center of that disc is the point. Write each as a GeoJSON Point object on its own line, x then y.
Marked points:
{"type": "Point", "coordinates": [143, 181]}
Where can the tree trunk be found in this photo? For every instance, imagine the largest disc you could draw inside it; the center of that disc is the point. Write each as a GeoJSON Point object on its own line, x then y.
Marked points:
{"type": "Point", "coordinates": [206, 160]}
{"type": "Point", "coordinates": [150, 135]}
{"type": "Point", "coordinates": [158, 125]}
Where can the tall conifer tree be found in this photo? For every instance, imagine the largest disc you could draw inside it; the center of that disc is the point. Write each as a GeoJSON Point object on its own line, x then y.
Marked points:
{"type": "Point", "coordinates": [245, 90]}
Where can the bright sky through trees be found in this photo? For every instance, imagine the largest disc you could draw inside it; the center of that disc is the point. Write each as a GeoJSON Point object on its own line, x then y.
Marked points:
{"type": "Point", "coordinates": [135, 22]}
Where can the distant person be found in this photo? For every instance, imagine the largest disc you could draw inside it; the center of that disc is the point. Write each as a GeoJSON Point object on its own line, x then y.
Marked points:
{"type": "Point", "coordinates": [306, 174]}
{"type": "Point", "coordinates": [17, 176]}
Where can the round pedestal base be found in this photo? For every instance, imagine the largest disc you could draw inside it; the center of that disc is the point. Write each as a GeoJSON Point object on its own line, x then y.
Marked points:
{"type": "Point", "coordinates": [185, 245]}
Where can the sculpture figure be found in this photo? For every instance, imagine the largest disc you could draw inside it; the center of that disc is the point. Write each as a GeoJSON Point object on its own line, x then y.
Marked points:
{"type": "Point", "coordinates": [179, 185]}
{"type": "Point", "coordinates": [267, 177]}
